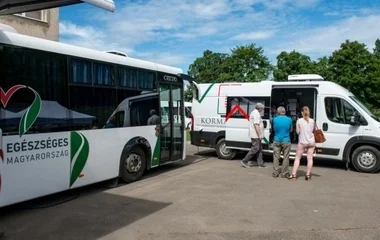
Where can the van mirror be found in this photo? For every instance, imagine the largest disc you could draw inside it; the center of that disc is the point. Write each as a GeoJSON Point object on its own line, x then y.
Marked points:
{"type": "Point", "coordinates": [355, 119]}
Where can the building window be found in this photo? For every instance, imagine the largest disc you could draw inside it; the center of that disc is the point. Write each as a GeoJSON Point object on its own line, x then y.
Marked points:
{"type": "Point", "coordinates": [40, 15]}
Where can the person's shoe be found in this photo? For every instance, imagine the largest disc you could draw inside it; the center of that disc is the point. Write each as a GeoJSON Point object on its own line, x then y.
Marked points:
{"type": "Point", "coordinates": [245, 164]}
{"type": "Point", "coordinates": [286, 175]}
{"type": "Point", "coordinates": [293, 177]}
{"type": "Point", "coordinates": [275, 174]}
{"type": "Point", "coordinates": [263, 165]}
{"type": "Point", "coordinates": [252, 164]}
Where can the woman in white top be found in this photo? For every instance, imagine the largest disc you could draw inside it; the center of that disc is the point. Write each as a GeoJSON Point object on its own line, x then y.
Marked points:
{"type": "Point", "coordinates": [306, 143]}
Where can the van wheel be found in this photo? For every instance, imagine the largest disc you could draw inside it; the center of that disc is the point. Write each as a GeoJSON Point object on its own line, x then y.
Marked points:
{"type": "Point", "coordinates": [132, 164]}
{"type": "Point", "coordinates": [223, 152]}
{"type": "Point", "coordinates": [366, 159]}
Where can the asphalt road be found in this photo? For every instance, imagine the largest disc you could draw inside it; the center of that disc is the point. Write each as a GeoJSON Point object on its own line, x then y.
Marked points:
{"type": "Point", "coordinates": [207, 198]}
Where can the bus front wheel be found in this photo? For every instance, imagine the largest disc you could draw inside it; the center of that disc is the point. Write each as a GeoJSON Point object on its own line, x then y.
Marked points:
{"type": "Point", "coordinates": [133, 164]}
{"type": "Point", "coordinates": [223, 152]}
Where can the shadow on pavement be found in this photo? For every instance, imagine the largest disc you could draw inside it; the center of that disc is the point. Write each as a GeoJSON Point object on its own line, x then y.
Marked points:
{"type": "Point", "coordinates": [94, 192]}
{"type": "Point", "coordinates": [190, 159]}
{"type": "Point", "coordinates": [89, 217]}
{"type": "Point", "coordinates": [318, 162]}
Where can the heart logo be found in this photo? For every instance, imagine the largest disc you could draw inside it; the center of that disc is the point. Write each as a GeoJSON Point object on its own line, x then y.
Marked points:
{"type": "Point", "coordinates": [31, 115]}
{"type": "Point", "coordinates": [5, 96]}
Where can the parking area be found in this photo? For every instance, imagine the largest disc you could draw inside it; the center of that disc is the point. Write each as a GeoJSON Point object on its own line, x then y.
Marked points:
{"type": "Point", "coordinates": [207, 198]}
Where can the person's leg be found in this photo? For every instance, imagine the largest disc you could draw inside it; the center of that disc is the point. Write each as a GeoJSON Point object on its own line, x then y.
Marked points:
{"type": "Point", "coordinates": [310, 152]}
{"type": "Point", "coordinates": [252, 152]}
{"type": "Point", "coordinates": [260, 160]}
{"type": "Point", "coordinates": [276, 158]}
{"type": "Point", "coordinates": [300, 150]}
{"type": "Point", "coordinates": [285, 162]}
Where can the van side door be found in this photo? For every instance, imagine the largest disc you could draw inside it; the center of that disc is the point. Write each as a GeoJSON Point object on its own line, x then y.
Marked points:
{"type": "Point", "coordinates": [334, 114]}
{"type": "Point", "coordinates": [237, 121]}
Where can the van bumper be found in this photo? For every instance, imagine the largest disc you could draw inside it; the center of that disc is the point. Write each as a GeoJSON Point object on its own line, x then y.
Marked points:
{"type": "Point", "coordinates": [203, 139]}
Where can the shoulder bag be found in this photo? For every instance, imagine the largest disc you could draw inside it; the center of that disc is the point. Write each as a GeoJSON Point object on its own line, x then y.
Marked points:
{"type": "Point", "coordinates": [318, 134]}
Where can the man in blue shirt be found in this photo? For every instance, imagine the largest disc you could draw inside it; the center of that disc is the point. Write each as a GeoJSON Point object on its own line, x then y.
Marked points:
{"type": "Point", "coordinates": [282, 126]}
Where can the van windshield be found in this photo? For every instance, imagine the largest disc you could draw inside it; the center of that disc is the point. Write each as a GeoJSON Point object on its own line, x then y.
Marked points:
{"type": "Point", "coordinates": [361, 105]}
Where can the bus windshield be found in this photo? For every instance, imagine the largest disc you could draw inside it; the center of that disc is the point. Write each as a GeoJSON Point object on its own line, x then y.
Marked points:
{"type": "Point", "coordinates": [362, 106]}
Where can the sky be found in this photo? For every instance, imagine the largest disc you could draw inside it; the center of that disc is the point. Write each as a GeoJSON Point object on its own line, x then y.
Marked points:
{"type": "Point", "coordinates": [176, 32]}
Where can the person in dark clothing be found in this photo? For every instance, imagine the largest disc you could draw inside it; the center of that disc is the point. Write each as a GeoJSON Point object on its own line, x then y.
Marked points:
{"type": "Point", "coordinates": [274, 114]}
{"type": "Point", "coordinates": [154, 119]}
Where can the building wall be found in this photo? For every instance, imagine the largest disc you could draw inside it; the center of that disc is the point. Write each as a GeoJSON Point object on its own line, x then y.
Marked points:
{"type": "Point", "coordinates": [47, 27]}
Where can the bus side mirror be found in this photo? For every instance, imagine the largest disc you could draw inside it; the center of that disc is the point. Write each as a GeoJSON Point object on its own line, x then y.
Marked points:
{"type": "Point", "coordinates": [265, 123]}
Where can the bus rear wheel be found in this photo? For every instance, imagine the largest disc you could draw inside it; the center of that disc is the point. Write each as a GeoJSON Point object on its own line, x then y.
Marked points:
{"type": "Point", "coordinates": [133, 164]}
{"type": "Point", "coordinates": [223, 152]}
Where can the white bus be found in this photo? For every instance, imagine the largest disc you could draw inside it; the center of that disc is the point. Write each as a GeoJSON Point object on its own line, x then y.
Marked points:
{"type": "Point", "coordinates": [220, 116]}
{"type": "Point", "coordinates": [188, 106]}
{"type": "Point", "coordinates": [178, 112]}
{"type": "Point", "coordinates": [72, 116]}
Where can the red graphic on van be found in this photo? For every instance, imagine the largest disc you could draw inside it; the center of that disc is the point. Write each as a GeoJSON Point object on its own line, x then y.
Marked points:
{"type": "Point", "coordinates": [235, 109]}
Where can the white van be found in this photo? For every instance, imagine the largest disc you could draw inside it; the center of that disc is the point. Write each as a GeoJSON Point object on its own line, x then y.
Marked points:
{"type": "Point", "coordinates": [220, 118]}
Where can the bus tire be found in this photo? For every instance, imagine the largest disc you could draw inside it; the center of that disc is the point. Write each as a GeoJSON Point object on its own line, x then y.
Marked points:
{"type": "Point", "coordinates": [223, 152]}
{"type": "Point", "coordinates": [132, 164]}
{"type": "Point", "coordinates": [366, 159]}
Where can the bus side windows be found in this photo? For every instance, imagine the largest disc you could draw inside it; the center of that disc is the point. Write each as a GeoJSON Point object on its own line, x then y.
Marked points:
{"type": "Point", "coordinates": [140, 111]}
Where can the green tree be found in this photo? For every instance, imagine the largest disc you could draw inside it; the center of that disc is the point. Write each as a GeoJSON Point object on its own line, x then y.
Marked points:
{"type": "Point", "coordinates": [322, 68]}
{"type": "Point", "coordinates": [248, 64]}
{"type": "Point", "coordinates": [188, 94]}
{"type": "Point", "coordinates": [292, 63]}
{"type": "Point", "coordinates": [356, 69]}
{"type": "Point", "coordinates": [245, 64]}
{"type": "Point", "coordinates": [376, 50]}
{"type": "Point", "coordinates": [207, 68]}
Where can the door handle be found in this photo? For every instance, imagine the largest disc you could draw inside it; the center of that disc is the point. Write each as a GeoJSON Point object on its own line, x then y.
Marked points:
{"type": "Point", "coordinates": [325, 126]}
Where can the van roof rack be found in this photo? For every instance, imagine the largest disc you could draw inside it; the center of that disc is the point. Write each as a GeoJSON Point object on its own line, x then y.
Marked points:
{"type": "Point", "coordinates": [305, 77]}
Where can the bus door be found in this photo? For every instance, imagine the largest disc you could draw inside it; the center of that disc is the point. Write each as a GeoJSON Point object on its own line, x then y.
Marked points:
{"type": "Point", "coordinates": [172, 121]}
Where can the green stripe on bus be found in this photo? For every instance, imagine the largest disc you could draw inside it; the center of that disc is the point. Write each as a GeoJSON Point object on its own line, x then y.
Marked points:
{"type": "Point", "coordinates": [156, 153]}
